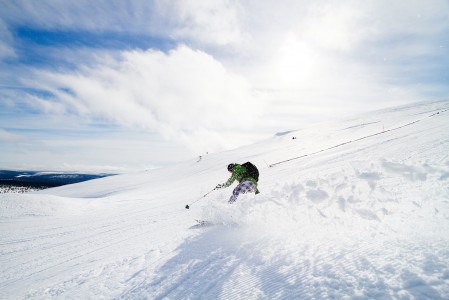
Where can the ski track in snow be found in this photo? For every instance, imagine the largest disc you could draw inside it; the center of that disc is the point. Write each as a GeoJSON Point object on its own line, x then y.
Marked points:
{"type": "Point", "coordinates": [360, 212]}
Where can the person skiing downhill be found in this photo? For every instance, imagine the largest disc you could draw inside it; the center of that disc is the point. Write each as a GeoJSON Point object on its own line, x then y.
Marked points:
{"type": "Point", "coordinates": [247, 175]}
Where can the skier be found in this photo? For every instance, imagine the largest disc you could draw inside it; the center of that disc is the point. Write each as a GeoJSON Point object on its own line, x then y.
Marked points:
{"type": "Point", "coordinates": [247, 175]}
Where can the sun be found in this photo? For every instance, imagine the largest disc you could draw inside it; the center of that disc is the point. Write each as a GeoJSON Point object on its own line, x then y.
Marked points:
{"type": "Point", "coordinates": [296, 64]}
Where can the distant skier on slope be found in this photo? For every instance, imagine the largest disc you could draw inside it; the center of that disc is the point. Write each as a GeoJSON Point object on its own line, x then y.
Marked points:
{"type": "Point", "coordinates": [247, 175]}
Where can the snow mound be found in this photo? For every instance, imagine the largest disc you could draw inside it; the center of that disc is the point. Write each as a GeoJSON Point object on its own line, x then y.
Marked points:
{"type": "Point", "coordinates": [29, 205]}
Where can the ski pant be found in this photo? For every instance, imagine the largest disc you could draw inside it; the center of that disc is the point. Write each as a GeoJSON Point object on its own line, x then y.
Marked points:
{"type": "Point", "coordinates": [243, 187]}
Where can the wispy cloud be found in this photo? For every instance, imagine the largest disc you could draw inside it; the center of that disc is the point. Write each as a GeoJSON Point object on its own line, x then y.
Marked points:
{"type": "Point", "coordinates": [6, 40]}
{"type": "Point", "coordinates": [134, 16]}
{"type": "Point", "coordinates": [177, 94]}
{"type": "Point", "coordinates": [6, 136]}
{"type": "Point", "coordinates": [204, 22]}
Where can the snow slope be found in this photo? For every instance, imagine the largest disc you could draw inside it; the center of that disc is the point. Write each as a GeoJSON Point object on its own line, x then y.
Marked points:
{"type": "Point", "coordinates": [356, 209]}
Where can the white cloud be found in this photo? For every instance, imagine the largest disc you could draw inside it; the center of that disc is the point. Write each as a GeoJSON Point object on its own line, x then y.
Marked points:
{"type": "Point", "coordinates": [184, 94]}
{"type": "Point", "coordinates": [6, 42]}
{"type": "Point", "coordinates": [80, 15]}
{"type": "Point", "coordinates": [305, 59]}
{"type": "Point", "coordinates": [413, 17]}
{"type": "Point", "coordinates": [335, 26]}
{"type": "Point", "coordinates": [344, 55]}
{"type": "Point", "coordinates": [6, 136]}
{"type": "Point", "coordinates": [205, 22]}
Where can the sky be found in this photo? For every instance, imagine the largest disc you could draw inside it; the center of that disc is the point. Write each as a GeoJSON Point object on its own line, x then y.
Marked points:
{"type": "Point", "coordinates": [120, 86]}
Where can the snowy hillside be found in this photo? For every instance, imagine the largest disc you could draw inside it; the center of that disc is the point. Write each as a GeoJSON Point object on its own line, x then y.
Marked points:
{"type": "Point", "coordinates": [357, 209]}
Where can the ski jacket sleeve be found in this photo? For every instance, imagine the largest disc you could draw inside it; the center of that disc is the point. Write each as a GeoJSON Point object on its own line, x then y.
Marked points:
{"type": "Point", "coordinates": [237, 173]}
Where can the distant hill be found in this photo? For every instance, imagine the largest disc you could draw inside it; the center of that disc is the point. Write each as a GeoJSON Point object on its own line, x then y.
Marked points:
{"type": "Point", "coordinates": [44, 179]}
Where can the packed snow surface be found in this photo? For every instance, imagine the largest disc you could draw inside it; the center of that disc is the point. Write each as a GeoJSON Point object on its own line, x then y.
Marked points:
{"type": "Point", "coordinates": [356, 209]}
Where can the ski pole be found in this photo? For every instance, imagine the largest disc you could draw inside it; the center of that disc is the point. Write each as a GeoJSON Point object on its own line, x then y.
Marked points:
{"type": "Point", "coordinates": [188, 206]}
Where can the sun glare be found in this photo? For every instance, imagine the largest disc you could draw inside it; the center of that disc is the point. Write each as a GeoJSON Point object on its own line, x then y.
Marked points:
{"type": "Point", "coordinates": [297, 63]}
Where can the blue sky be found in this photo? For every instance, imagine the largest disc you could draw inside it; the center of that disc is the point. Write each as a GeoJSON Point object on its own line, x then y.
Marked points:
{"type": "Point", "coordinates": [131, 85]}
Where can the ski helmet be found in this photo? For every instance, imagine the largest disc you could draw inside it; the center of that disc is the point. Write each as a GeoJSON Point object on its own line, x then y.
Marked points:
{"type": "Point", "coordinates": [231, 167]}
